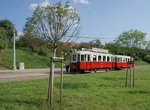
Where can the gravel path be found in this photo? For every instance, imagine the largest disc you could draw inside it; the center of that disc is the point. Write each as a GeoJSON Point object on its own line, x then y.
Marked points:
{"type": "Point", "coordinates": [28, 74]}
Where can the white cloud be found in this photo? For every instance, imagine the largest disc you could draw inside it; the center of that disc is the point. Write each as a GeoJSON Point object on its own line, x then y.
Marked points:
{"type": "Point", "coordinates": [33, 6]}
{"type": "Point", "coordinates": [81, 1]}
{"type": "Point", "coordinates": [20, 33]}
{"type": "Point", "coordinates": [43, 4]}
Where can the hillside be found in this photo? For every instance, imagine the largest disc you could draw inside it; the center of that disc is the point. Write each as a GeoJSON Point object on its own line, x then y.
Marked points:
{"type": "Point", "coordinates": [31, 60]}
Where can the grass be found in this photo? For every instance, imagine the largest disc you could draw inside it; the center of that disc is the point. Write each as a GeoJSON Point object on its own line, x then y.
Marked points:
{"type": "Point", "coordinates": [100, 91]}
{"type": "Point", "coordinates": [141, 63]}
{"type": "Point", "coordinates": [31, 60]}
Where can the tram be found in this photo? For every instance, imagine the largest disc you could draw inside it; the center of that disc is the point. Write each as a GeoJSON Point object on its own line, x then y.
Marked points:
{"type": "Point", "coordinates": [94, 59]}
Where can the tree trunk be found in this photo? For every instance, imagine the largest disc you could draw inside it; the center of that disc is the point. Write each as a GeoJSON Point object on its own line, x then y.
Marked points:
{"type": "Point", "coordinates": [51, 80]}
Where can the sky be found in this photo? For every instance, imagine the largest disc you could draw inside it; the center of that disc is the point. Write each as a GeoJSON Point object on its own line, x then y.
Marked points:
{"type": "Point", "coordinates": [103, 19]}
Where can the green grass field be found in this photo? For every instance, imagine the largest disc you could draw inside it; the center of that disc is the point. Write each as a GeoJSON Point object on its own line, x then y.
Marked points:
{"type": "Point", "coordinates": [31, 60]}
{"type": "Point", "coordinates": [99, 91]}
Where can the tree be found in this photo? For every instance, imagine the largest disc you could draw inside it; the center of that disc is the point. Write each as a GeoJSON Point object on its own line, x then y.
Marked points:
{"type": "Point", "coordinates": [113, 48]}
{"type": "Point", "coordinates": [147, 58]}
{"type": "Point", "coordinates": [3, 39]}
{"type": "Point", "coordinates": [148, 45]}
{"type": "Point", "coordinates": [83, 45]}
{"type": "Point", "coordinates": [8, 28]}
{"type": "Point", "coordinates": [33, 44]}
{"type": "Point", "coordinates": [58, 24]}
{"type": "Point", "coordinates": [96, 43]}
{"type": "Point", "coordinates": [132, 40]}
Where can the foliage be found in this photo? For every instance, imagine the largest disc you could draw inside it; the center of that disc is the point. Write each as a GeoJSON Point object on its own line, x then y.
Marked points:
{"type": "Point", "coordinates": [113, 48]}
{"type": "Point", "coordinates": [3, 44]}
{"type": "Point", "coordinates": [3, 39]}
{"type": "Point", "coordinates": [147, 58]}
{"type": "Point", "coordinates": [83, 45]}
{"type": "Point", "coordinates": [95, 43]}
{"type": "Point", "coordinates": [148, 45]}
{"type": "Point", "coordinates": [56, 23]}
{"type": "Point", "coordinates": [34, 44]}
{"type": "Point", "coordinates": [92, 44]}
{"type": "Point", "coordinates": [131, 40]}
{"type": "Point", "coordinates": [8, 27]}
{"type": "Point", "coordinates": [100, 91]}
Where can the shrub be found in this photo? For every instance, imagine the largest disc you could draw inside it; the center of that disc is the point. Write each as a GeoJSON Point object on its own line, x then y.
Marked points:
{"type": "Point", "coordinates": [147, 58]}
{"type": "Point", "coordinates": [3, 44]}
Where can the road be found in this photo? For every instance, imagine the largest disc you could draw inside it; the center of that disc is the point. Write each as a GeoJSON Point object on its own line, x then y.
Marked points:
{"type": "Point", "coordinates": [27, 74]}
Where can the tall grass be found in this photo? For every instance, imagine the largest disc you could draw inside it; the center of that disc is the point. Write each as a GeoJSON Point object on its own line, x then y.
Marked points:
{"type": "Point", "coordinates": [99, 91]}
{"type": "Point", "coordinates": [31, 60]}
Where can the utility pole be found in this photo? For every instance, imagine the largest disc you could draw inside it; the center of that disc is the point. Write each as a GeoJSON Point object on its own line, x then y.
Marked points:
{"type": "Point", "coordinates": [14, 50]}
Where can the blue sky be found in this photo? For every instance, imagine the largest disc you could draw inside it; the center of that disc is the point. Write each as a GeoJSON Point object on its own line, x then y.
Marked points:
{"type": "Point", "coordinates": [105, 19]}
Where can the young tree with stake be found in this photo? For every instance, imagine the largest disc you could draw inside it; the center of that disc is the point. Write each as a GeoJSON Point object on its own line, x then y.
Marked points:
{"type": "Point", "coordinates": [58, 24]}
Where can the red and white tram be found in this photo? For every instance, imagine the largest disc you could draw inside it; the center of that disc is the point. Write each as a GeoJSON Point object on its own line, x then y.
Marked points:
{"type": "Point", "coordinates": [93, 59]}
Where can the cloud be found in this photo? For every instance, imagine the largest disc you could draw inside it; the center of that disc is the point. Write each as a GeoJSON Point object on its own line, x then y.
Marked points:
{"type": "Point", "coordinates": [33, 6]}
{"type": "Point", "coordinates": [43, 4]}
{"type": "Point", "coordinates": [20, 33]}
{"type": "Point", "coordinates": [81, 1]}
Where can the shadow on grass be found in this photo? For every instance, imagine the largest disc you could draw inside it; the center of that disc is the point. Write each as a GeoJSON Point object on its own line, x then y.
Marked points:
{"type": "Point", "coordinates": [113, 78]}
{"type": "Point", "coordinates": [34, 102]}
{"type": "Point", "coordinates": [73, 85]}
{"type": "Point", "coordinates": [139, 92]}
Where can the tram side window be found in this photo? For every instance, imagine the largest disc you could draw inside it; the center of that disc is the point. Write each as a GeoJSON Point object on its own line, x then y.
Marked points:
{"type": "Point", "coordinates": [74, 58]}
{"type": "Point", "coordinates": [94, 57]}
{"type": "Point", "coordinates": [116, 59]}
{"type": "Point", "coordinates": [104, 58]}
{"type": "Point", "coordinates": [112, 59]}
{"type": "Point", "coordinates": [128, 60]}
{"type": "Point", "coordinates": [78, 57]}
{"type": "Point", "coordinates": [120, 59]}
{"type": "Point", "coordinates": [99, 58]}
{"type": "Point", "coordinates": [88, 57]}
{"type": "Point", "coordinates": [108, 59]}
{"type": "Point", "coordinates": [123, 60]}
{"type": "Point", "coordinates": [82, 57]}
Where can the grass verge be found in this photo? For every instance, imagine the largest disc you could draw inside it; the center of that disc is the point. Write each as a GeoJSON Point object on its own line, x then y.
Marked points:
{"type": "Point", "coordinates": [99, 91]}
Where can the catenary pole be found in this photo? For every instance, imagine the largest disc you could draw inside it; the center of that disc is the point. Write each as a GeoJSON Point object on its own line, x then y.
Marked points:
{"type": "Point", "coordinates": [14, 50]}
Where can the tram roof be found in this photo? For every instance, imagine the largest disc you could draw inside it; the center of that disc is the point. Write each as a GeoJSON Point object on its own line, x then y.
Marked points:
{"type": "Point", "coordinates": [90, 52]}
{"type": "Point", "coordinates": [98, 53]}
{"type": "Point", "coordinates": [122, 56]}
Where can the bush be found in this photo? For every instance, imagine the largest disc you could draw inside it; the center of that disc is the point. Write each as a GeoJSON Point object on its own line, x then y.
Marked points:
{"type": "Point", "coordinates": [33, 44]}
{"type": "Point", "coordinates": [147, 58]}
{"type": "Point", "coordinates": [3, 44]}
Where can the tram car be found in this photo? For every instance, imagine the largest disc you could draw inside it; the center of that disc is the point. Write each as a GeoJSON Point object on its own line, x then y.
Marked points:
{"type": "Point", "coordinates": [95, 59]}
